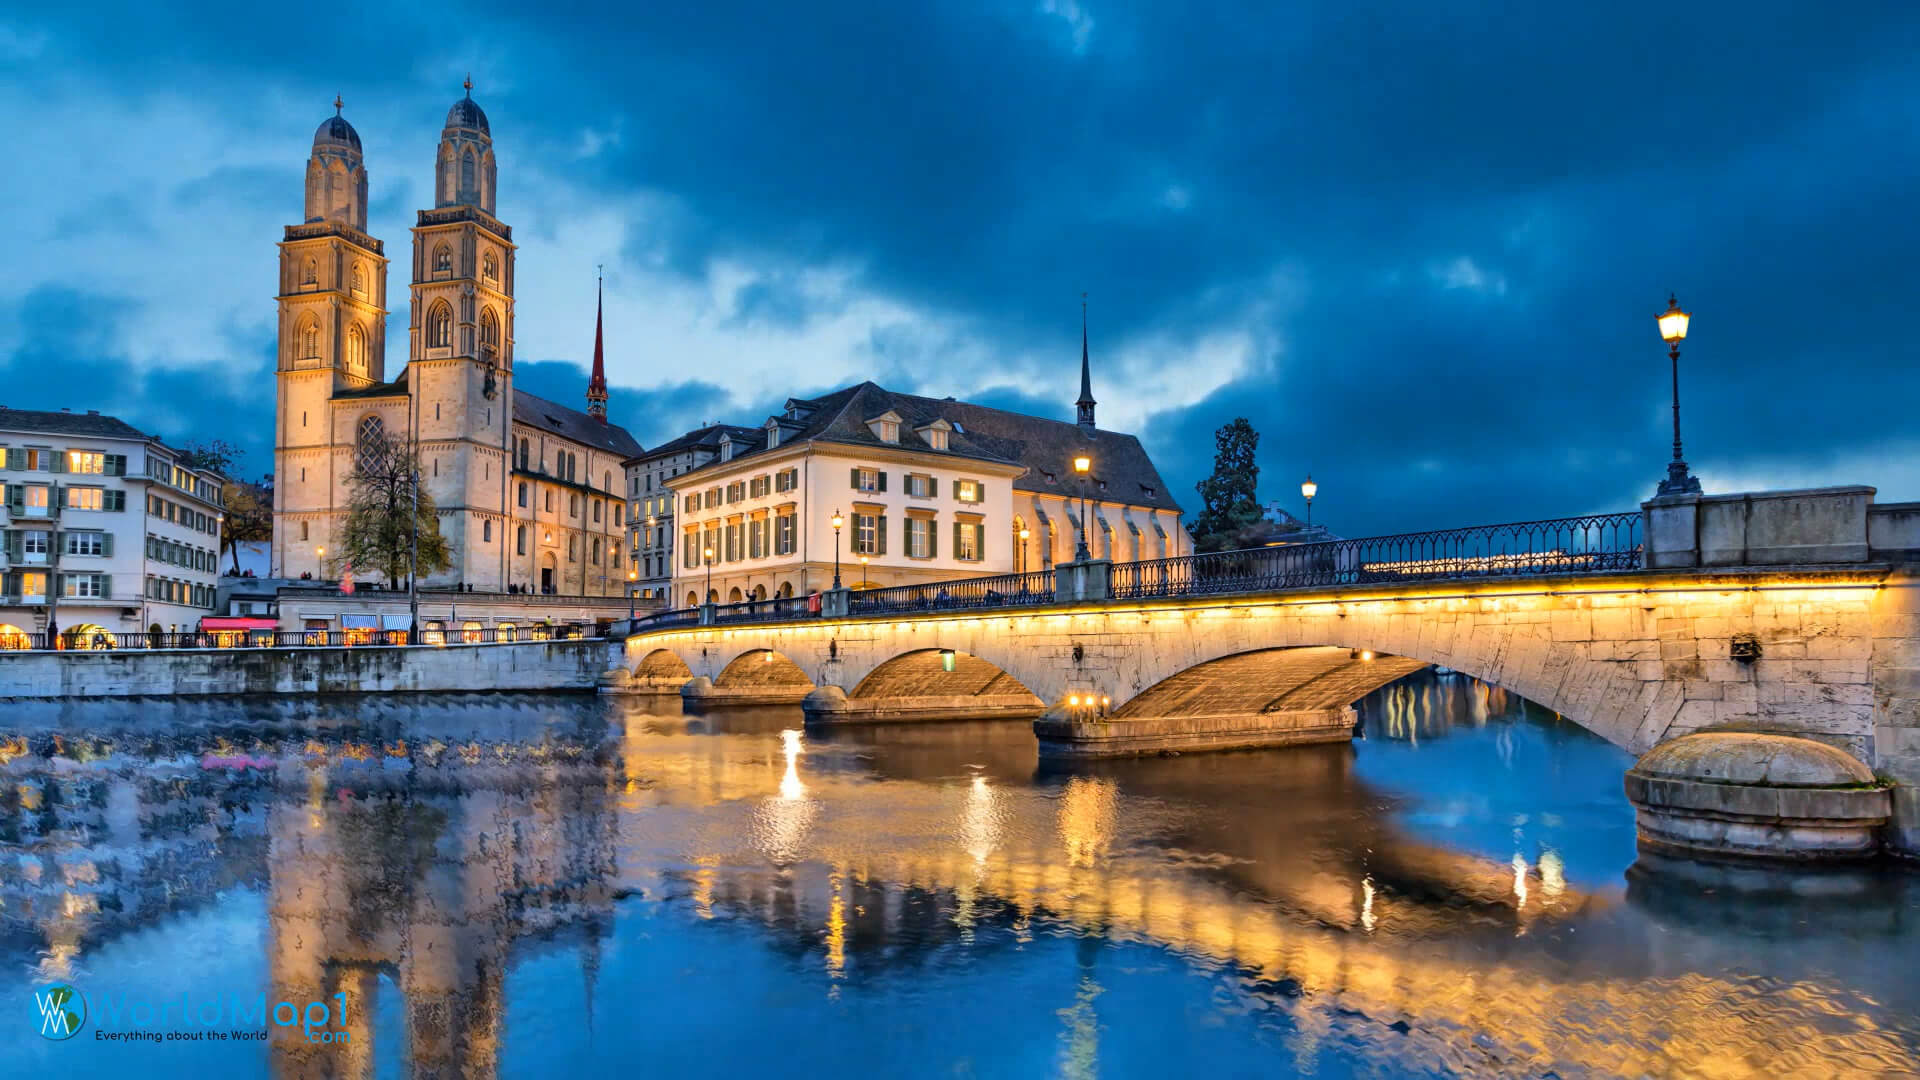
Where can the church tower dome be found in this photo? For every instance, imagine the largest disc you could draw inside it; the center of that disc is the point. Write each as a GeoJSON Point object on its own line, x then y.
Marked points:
{"type": "Point", "coordinates": [463, 172]}
{"type": "Point", "coordinates": [337, 174]}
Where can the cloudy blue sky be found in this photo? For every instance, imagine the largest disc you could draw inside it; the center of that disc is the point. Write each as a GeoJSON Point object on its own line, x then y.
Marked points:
{"type": "Point", "coordinates": [1419, 245]}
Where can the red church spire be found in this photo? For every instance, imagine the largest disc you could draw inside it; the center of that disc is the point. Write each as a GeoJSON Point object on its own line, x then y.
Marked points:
{"type": "Point", "coordinates": [597, 384]}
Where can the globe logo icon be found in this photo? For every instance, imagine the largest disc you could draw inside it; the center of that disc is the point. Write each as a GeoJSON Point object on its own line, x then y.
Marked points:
{"type": "Point", "coordinates": [59, 1011]}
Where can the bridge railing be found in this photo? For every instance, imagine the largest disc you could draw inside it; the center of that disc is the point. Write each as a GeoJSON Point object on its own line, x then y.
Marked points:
{"type": "Point", "coordinates": [1597, 542]}
{"type": "Point", "coordinates": [1590, 544]}
{"type": "Point", "coordinates": [1004, 590]}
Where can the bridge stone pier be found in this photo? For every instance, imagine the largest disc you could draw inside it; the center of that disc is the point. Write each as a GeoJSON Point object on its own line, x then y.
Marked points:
{"type": "Point", "coordinates": [1782, 613]}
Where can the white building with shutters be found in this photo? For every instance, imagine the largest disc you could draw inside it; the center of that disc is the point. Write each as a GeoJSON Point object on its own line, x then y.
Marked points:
{"type": "Point", "coordinates": [928, 489]}
{"type": "Point", "coordinates": [104, 529]}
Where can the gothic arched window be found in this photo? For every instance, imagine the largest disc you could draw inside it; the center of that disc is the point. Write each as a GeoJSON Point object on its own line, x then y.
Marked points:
{"type": "Point", "coordinates": [310, 341]}
{"type": "Point", "coordinates": [466, 174]}
{"type": "Point", "coordinates": [359, 280]}
{"type": "Point", "coordinates": [369, 442]}
{"type": "Point", "coordinates": [356, 349]}
{"type": "Point", "coordinates": [523, 453]}
{"type": "Point", "coordinates": [489, 334]}
{"type": "Point", "coordinates": [312, 276]}
{"type": "Point", "coordinates": [490, 269]}
{"type": "Point", "coordinates": [443, 259]}
{"type": "Point", "coordinates": [440, 325]}
{"type": "Point", "coordinates": [520, 540]}
{"type": "Point", "coordinates": [606, 480]}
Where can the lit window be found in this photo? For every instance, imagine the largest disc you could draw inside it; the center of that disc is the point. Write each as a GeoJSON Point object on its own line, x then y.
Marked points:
{"type": "Point", "coordinates": [866, 540]}
{"type": "Point", "coordinates": [966, 536]}
{"type": "Point", "coordinates": [919, 536]}
{"type": "Point", "coordinates": [967, 490]}
{"type": "Point", "coordinates": [79, 498]}
{"type": "Point", "coordinates": [86, 461]}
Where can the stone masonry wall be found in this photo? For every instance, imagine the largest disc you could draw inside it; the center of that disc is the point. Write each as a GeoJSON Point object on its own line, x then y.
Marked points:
{"type": "Point", "coordinates": [540, 665]}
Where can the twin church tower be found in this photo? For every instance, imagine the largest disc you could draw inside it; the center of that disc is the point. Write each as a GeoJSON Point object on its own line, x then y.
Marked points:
{"type": "Point", "coordinates": [529, 491]}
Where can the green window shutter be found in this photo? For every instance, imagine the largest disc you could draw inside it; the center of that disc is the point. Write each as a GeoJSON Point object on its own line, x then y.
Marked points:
{"type": "Point", "coordinates": [933, 540]}
{"type": "Point", "coordinates": [880, 533]}
{"type": "Point", "coordinates": [106, 586]}
{"type": "Point", "coordinates": [115, 500]}
{"type": "Point", "coordinates": [57, 461]}
{"type": "Point", "coordinates": [106, 544]}
{"type": "Point", "coordinates": [16, 459]}
{"type": "Point", "coordinates": [956, 540]}
{"type": "Point", "coordinates": [883, 481]}
{"type": "Point", "coordinates": [956, 489]}
{"type": "Point", "coordinates": [856, 479]}
{"type": "Point", "coordinates": [906, 536]}
{"type": "Point", "coordinates": [11, 542]}
{"type": "Point", "coordinates": [980, 543]}
{"type": "Point", "coordinates": [117, 465]}
{"type": "Point", "coordinates": [58, 497]}
{"type": "Point", "coordinates": [980, 492]}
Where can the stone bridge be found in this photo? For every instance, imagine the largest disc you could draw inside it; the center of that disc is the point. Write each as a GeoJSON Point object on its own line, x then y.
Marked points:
{"type": "Point", "coordinates": [1794, 613]}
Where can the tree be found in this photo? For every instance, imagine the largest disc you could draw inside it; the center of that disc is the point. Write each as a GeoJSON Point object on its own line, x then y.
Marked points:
{"type": "Point", "coordinates": [1228, 504]}
{"type": "Point", "coordinates": [216, 454]}
{"type": "Point", "coordinates": [381, 513]}
{"type": "Point", "coordinates": [249, 515]}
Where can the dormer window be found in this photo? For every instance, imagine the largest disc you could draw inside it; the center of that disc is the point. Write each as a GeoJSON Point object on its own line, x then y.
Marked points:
{"type": "Point", "coordinates": [773, 434]}
{"type": "Point", "coordinates": [726, 448]}
{"type": "Point", "coordinates": [885, 427]}
{"type": "Point", "coordinates": [936, 433]}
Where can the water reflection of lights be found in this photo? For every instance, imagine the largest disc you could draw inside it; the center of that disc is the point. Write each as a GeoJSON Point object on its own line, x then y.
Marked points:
{"type": "Point", "coordinates": [790, 786]}
{"type": "Point", "coordinates": [837, 927]}
{"type": "Point", "coordinates": [1367, 919]}
{"type": "Point", "coordinates": [979, 826]}
{"type": "Point", "coordinates": [1553, 874]}
{"type": "Point", "coordinates": [1088, 811]}
{"type": "Point", "coordinates": [1519, 881]}
{"type": "Point", "coordinates": [781, 824]}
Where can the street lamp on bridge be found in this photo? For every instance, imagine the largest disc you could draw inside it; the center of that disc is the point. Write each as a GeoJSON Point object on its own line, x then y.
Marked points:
{"type": "Point", "coordinates": [1673, 330]}
{"type": "Point", "coordinates": [1308, 489]}
{"type": "Point", "coordinates": [1083, 467]}
{"type": "Point", "coordinates": [706, 555]}
{"type": "Point", "coordinates": [837, 521]}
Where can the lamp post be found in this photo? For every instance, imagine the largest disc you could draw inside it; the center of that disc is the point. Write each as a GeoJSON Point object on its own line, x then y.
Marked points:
{"type": "Point", "coordinates": [837, 522]}
{"type": "Point", "coordinates": [1673, 330]}
{"type": "Point", "coordinates": [633, 575]}
{"type": "Point", "coordinates": [864, 581]}
{"type": "Point", "coordinates": [413, 566]}
{"type": "Point", "coordinates": [1024, 533]}
{"type": "Point", "coordinates": [1309, 489]}
{"type": "Point", "coordinates": [1082, 466]}
{"type": "Point", "coordinates": [707, 555]}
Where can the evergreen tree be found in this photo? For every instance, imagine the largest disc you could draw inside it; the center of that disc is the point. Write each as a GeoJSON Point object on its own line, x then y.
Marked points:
{"type": "Point", "coordinates": [1228, 503]}
{"type": "Point", "coordinates": [381, 512]}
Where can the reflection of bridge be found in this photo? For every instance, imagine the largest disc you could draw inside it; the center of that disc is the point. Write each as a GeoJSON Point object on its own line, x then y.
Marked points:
{"type": "Point", "coordinates": [1794, 613]}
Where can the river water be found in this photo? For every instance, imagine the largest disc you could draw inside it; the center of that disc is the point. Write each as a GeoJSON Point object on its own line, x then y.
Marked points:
{"type": "Point", "coordinates": [549, 885]}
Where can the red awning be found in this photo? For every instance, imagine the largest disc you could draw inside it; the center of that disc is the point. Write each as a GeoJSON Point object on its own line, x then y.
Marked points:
{"type": "Point", "coordinates": [237, 622]}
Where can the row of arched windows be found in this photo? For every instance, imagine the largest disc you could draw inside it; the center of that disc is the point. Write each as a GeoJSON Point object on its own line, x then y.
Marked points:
{"type": "Point", "coordinates": [310, 277]}
{"type": "Point", "coordinates": [443, 264]}
{"type": "Point", "coordinates": [356, 350]}
{"type": "Point", "coordinates": [440, 328]}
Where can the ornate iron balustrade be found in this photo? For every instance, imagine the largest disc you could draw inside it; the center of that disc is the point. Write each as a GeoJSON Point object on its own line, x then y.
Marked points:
{"type": "Point", "coordinates": [1004, 590]}
{"type": "Point", "coordinates": [1596, 543]}
{"type": "Point", "coordinates": [109, 641]}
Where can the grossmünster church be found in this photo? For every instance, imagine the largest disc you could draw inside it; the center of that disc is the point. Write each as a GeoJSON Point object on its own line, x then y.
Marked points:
{"type": "Point", "coordinates": [528, 490]}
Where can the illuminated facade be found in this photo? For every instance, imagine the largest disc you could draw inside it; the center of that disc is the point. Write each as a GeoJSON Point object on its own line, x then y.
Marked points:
{"type": "Point", "coordinates": [103, 529]}
{"type": "Point", "coordinates": [528, 491]}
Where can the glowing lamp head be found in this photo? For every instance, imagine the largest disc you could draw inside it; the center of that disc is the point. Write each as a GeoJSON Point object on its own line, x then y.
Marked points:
{"type": "Point", "coordinates": [1025, 533]}
{"type": "Point", "coordinates": [707, 553]}
{"type": "Point", "coordinates": [1308, 488]}
{"type": "Point", "coordinates": [1673, 324]}
{"type": "Point", "coordinates": [838, 521]}
{"type": "Point", "coordinates": [1082, 464]}
{"type": "Point", "coordinates": [633, 575]}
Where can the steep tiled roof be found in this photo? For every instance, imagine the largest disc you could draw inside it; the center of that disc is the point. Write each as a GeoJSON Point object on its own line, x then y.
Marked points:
{"type": "Point", "coordinates": [568, 423]}
{"type": "Point", "coordinates": [708, 436]}
{"type": "Point", "coordinates": [66, 423]}
{"type": "Point", "coordinates": [1045, 447]}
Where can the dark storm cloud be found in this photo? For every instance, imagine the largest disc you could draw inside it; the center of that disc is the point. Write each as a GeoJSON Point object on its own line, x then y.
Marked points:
{"type": "Point", "coordinates": [67, 357]}
{"type": "Point", "coordinates": [1483, 212]}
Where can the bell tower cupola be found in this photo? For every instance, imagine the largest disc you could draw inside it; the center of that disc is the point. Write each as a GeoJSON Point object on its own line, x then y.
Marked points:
{"type": "Point", "coordinates": [463, 173]}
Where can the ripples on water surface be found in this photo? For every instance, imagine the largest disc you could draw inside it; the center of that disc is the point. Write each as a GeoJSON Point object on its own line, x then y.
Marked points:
{"type": "Point", "coordinates": [532, 886]}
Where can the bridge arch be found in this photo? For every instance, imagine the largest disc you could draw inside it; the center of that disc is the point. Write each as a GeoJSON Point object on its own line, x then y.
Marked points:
{"type": "Point", "coordinates": [1270, 681]}
{"type": "Point", "coordinates": [662, 668]}
{"type": "Point", "coordinates": [939, 672]}
{"type": "Point", "coordinates": [762, 669]}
